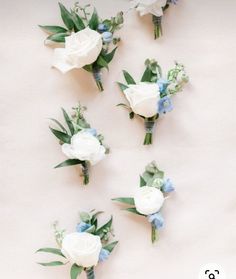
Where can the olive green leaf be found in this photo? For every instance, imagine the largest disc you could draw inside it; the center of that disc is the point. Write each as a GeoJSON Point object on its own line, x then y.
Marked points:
{"type": "Point", "coordinates": [105, 227]}
{"type": "Point", "coordinates": [109, 247]}
{"type": "Point", "coordinates": [108, 57]}
{"type": "Point", "coordinates": [58, 37]}
{"type": "Point", "coordinates": [85, 217]}
{"type": "Point", "coordinates": [68, 122]}
{"type": "Point", "coordinates": [94, 21]}
{"type": "Point", "coordinates": [61, 135]}
{"type": "Point", "coordinates": [59, 124]}
{"type": "Point", "coordinates": [52, 251]}
{"type": "Point", "coordinates": [78, 22]}
{"type": "Point", "coordinates": [66, 17]}
{"type": "Point", "coordinates": [102, 62]}
{"type": "Point", "coordinates": [75, 271]}
{"type": "Point", "coordinates": [142, 181]}
{"type": "Point", "coordinates": [147, 76]}
{"type": "Point", "coordinates": [52, 263]}
{"type": "Point", "coordinates": [122, 86]}
{"type": "Point", "coordinates": [127, 200]}
{"type": "Point", "coordinates": [128, 78]}
{"type": "Point", "coordinates": [133, 210]}
{"type": "Point", "coordinates": [53, 29]}
{"type": "Point", "coordinates": [69, 162]}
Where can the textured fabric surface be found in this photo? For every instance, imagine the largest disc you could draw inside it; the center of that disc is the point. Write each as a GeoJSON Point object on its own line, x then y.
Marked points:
{"type": "Point", "coordinates": [194, 144]}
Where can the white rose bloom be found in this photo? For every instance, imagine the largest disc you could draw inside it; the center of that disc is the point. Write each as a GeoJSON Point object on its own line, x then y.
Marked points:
{"type": "Point", "coordinates": [153, 7]}
{"type": "Point", "coordinates": [143, 98]}
{"type": "Point", "coordinates": [148, 200]}
{"type": "Point", "coordinates": [81, 48]}
{"type": "Point", "coordinates": [85, 147]}
{"type": "Point", "coordinates": [82, 248]}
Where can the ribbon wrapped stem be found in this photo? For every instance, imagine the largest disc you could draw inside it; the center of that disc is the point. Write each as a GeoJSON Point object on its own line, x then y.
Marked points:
{"type": "Point", "coordinates": [157, 26]}
{"type": "Point", "coordinates": [149, 126]}
{"type": "Point", "coordinates": [98, 79]}
{"type": "Point", "coordinates": [90, 273]}
{"type": "Point", "coordinates": [85, 173]}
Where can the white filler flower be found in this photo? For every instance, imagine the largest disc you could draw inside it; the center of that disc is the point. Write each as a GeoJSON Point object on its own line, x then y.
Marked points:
{"type": "Point", "coordinates": [81, 48]}
{"type": "Point", "coordinates": [85, 147]}
{"type": "Point", "coordinates": [153, 7]}
{"type": "Point", "coordinates": [82, 248]}
{"type": "Point", "coordinates": [148, 200]}
{"type": "Point", "coordinates": [143, 98]}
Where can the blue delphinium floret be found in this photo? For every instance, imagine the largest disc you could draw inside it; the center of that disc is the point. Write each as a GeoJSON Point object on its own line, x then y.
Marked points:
{"type": "Point", "coordinates": [102, 27]}
{"type": "Point", "coordinates": [107, 37]}
{"type": "Point", "coordinates": [162, 84]}
{"type": "Point", "coordinates": [168, 186]}
{"type": "Point", "coordinates": [104, 254]}
{"type": "Point", "coordinates": [156, 219]}
{"type": "Point", "coordinates": [165, 105]}
{"type": "Point", "coordinates": [82, 227]}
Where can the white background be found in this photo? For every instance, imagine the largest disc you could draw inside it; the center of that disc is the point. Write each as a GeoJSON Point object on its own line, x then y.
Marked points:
{"type": "Point", "coordinates": [194, 144]}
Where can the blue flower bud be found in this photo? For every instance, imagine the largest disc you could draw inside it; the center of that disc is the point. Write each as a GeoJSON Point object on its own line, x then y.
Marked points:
{"type": "Point", "coordinates": [82, 227]}
{"type": "Point", "coordinates": [168, 186]}
{"type": "Point", "coordinates": [107, 37]}
{"type": "Point", "coordinates": [156, 219]}
{"type": "Point", "coordinates": [102, 27]}
{"type": "Point", "coordinates": [162, 84]}
{"type": "Point", "coordinates": [92, 131]}
{"type": "Point", "coordinates": [165, 105]}
{"type": "Point", "coordinates": [104, 254]}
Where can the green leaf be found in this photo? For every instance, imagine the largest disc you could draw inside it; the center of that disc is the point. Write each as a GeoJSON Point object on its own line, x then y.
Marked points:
{"type": "Point", "coordinates": [102, 62]}
{"type": "Point", "coordinates": [52, 263]}
{"type": "Point", "coordinates": [94, 21]}
{"type": "Point", "coordinates": [78, 22]}
{"type": "Point", "coordinates": [59, 124]}
{"type": "Point", "coordinates": [52, 251]}
{"type": "Point", "coordinates": [108, 57]}
{"type": "Point", "coordinates": [61, 135]}
{"type": "Point", "coordinates": [69, 162]}
{"type": "Point", "coordinates": [53, 29]}
{"type": "Point", "coordinates": [122, 86]}
{"type": "Point", "coordinates": [107, 226]}
{"type": "Point", "coordinates": [68, 122]}
{"type": "Point", "coordinates": [133, 210]}
{"type": "Point", "coordinates": [109, 247]}
{"type": "Point", "coordinates": [91, 229]}
{"type": "Point", "coordinates": [142, 181]}
{"type": "Point", "coordinates": [147, 76]}
{"type": "Point", "coordinates": [128, 78]}
{"type": "Point", "coordinates": [127, 200]}
{"type": "Point", "coordinates": [66, 17]}
{"type": "Point", "coordinates": [58, 37]}
{"type": "Point", "coordinates": [123, 105]}
{"type": "Point", "coordinates": [75, 271]}
{"type": "Point", "coordinates": [85, 217]}
{"type": "Point", "coordinates": [88, 68]}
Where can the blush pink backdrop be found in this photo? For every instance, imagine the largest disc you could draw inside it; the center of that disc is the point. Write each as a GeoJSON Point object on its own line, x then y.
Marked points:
{"type": "Point", "coordinates": [195, 144]}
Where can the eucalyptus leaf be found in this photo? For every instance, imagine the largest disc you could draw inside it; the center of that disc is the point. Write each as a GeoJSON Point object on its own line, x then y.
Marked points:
{"type": "Point", "coordinates": [122, 86]}
{"type": "Point", "coordinates": [78, 22]}
{"type": "Point", "coordinates": [85, 217]}
{"type": "Point", "coordinates": [53, 29]}
{"type": "Point", "coordinates": [126, 200]}
{"type": "Point", "coordinates": [142, 181]}
{"type": "Point", "coordinates": [61, 135]}
{"type": "Point", "coordinates": [66, 17]}
{"type": "Point", "coordinates": [94, 21]}
{"type": "Point", "coordinates": [102, 62]}
{"type": "Point", "coordinates": [88, 68]}
{"type": "Point", "coordinates": [108, 57]}
{"type": "Point", "coordinates": [105, 227]}
{"type": "Point", "coordinates": [68, 122]}
{"type": "Point", "coordinates": [128, 78]}
{"type": "Point", "coordinates": [56, 263]}
{"type": "Point", "coordinates": [133, 210]}
{"type": "Point", "coordinates": [91, 229]}
{"type": "Point", "coordinates": [147, 76]}
{"type": "Point", "coordinates": [58, 37]}
{"type": "Point", "coordinates": [75, 271]}
{"type": "Point", "coordinates": [59, 124]}
{"type": "Point", "coordinates": [52, 251]}
{"type": "Point", "coordinates": [109, 247]}
{"type": "Point", "coordinates": [69, 162]}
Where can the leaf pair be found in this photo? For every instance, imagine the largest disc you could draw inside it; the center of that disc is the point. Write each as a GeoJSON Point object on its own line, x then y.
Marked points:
{"type": "Point", "coordinates": [54, 251]}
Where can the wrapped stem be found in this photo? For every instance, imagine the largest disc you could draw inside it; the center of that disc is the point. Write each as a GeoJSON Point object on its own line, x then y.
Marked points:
{"type": "Point", "coordinates": [85, 172]}
{"type": "Point", "coordinates": [157, 26]}
{"type": "Point", "coordinates": [98, 79]}
{"type": "Point", "coordinates": [149, 125]}
{"type": "Point", "coordinates": [154, 235]}
{"type": "Point", "coordinates": [90, 273]}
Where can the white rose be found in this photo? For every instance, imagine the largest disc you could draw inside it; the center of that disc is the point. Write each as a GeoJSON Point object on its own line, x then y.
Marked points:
{"type": "Point", "coordinates": [82, 248]}
{"type": "Point", "coordinates": [148, 200]}
{"type": "Point", "coordinates": [85, 147]}
{"type": "Point", "coordinates": [81, 48]}
{"type": "Point", "coordinates": [153, 7]}
{"type": "Point", "coordinates": [143, 98]}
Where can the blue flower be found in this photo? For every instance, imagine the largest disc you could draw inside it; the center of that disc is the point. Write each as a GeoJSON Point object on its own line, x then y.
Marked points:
{"type": "Point", "coordinates": [82, 227]}
{"type": "Point", "coordinates": [92, 131]}
{"type": "Point", "coordinates": [172, 2]}
{"type": "Point", "coordinates": [156, 219]}
{"type": "Point", "coordinates": [168, 186]}
{"type": "Point", "coordinates": [107, 37]}
{"type": "Point", "coordinates": [102, 27]}
{"type": "Point", "coordinates": [163, 84]}
{"type": "Point", "coordinates": [104, 254]}
{"type": "Point", "coordinates": [165, 105]}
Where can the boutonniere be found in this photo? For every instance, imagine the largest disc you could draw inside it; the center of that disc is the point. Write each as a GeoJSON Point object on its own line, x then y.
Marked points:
{"type": "Point", "coordinates": [79, 142]}
{"type": "Point", "coordinates": [150, 197]}
{"type": "Point", "coordinates": [156, 8]}
{"type": "Point", "coordinates": [86, 38]}
{"type": "Point", "coordinates": [84, 248]}
{"type": "Point", "coordinates": [151, 98]}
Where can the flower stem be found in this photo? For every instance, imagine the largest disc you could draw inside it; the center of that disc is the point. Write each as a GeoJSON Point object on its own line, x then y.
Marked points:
{"type": "Point", "coordinates": [98, 79]}
{"type": "Point", "coordinates": [90, 273]}
{"type": "Point", "coordinates": [157, 26]}
{"type": "Point", "coordinates": [149, 125]}
{"type": "Point", "coordinates": [85, 173]}
{"type": "Point", "coordinates": [154, 235]}
{"type": "Point", "coordinates": [99, 85]}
